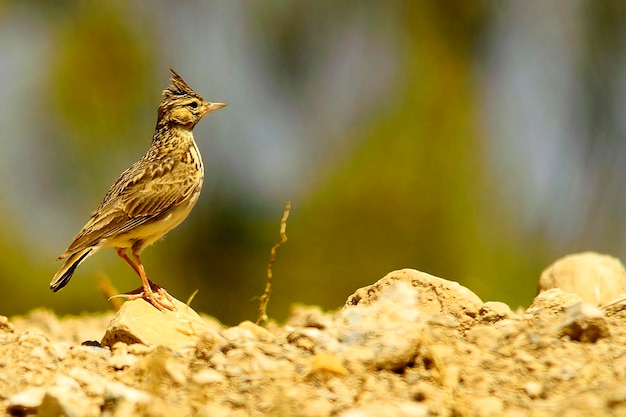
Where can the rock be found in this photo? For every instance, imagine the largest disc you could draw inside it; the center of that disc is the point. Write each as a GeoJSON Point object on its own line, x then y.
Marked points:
{"type": "Point", "coordinates": [160, 366]}
{"type": "Point", "coordinates": [26, 402]}
{"type": "Point", "coordinates": [308, 316]}
{"type": "Point", "coordinates": [121, 400]}
{"type": "Point", "coordinates": [388, 324]}
{"type": "Point", "coordinates": [312, 338]}
{"type": "Point", "coordinates": [208, 344]}
{"type": "Point", "coordinates": [327, 363]}
{"type": "Point", "coordinates": [316, 407]}
{"type": "Point", "coordinates": [494, 311]}
{"type": "Point", "coordinates": [208, 376]}
{"type": "Point", "coordinates": [65, 398]}
{"type": "Point", "coordinates": [122, 360]}
{"type": "Point", "coordinates": [596, 278]}
{"type": "Point", "coordinates": [139, 322]}
{"type": "Point", "coordinates": [358, 358]}
{"type": "Point", "coordinates": [138, 349]}
{"type": "Point", "coordinates": [422, 391]}
{"type": "Point", "coordinates": [176, 372]}
{"type": "Point", "coordinates": [118, 391]}
{"type": "Point", "coordinates": [384, 409]}
{"type": "Point", "coordinates": [584, 323]}
{"type": "Point", "coordinates": [70, 329]}
{"type": "Point", "coordinates": [484, 336]}
{"type": "Point", "coordinates": [617, 396]}
{"type": "Point", "coordinates": [7, 330]}
{"type": "Point", "coordinates": [533, 389]}
{"type": "Point", "coordinates": [568, 315]}
{"type": "Point", "coordinates": [238, 335]}
{"type": "Point", "coordinates": [488, 407]}
{"type": "Point", "coordinates": [91, 383]}
{"type": "Point", "coordinates": [5, 325]}
{"type": "Point", "coordinates": [435, 295]}
{"type": "Point", "coordinates": [259, 332]}
{"type": "Point", "coordinates": [552, 303]}
{"type": "Point", "coordinates": [215, 410]}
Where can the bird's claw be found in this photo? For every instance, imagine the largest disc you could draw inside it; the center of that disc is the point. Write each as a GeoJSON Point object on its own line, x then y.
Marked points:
{"type": "Point", "coordinates": [155, 295]}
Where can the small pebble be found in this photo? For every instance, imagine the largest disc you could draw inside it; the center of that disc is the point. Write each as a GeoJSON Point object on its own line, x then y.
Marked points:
{"type": "Point", "coordinates": [207, 376]}
{"type": "Point", "coordinates": [121, 361]}
{"type": "Point", "coordinates": [238, 334]}
{"type": "Point", "coordinates": [26, 402]}
{"type": "Point", "coordinates": [327, 362]}
{"type": "Point", "coordinates": [493, 311]}
{"type": "Point", "coordinates": [259, 332]}
{"type": "Point", "coordinates": [533, 389]}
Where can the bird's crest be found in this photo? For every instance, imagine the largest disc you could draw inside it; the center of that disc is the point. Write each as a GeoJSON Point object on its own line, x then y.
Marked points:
{"type": "Point", "coordinates": [178, 88]}
{"type": "Point", "coordinates": [177, 93]}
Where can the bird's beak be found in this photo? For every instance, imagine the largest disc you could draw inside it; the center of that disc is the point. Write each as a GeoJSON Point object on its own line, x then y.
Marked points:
{"type": "Point", "coordinates": [209, 107]}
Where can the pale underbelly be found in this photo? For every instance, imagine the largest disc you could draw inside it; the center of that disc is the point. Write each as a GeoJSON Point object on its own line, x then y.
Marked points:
{"type": "Point", "coordinates": [147, 233]}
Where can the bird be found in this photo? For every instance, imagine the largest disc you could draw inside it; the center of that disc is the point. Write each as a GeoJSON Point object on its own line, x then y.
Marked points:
{"type": "Point", "coordinates": [151, 197]}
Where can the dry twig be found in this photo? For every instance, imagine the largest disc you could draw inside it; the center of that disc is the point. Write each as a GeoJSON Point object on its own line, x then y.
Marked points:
{"type": "Point", "coordinates": [191, 297]}
{"type": "Point", "coordinates": [108, 289]}
{"type": "Point", "coordinates": [265, 297]}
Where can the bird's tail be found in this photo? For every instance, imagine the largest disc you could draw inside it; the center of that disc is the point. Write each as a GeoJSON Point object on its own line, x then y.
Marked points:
{"type": "Point", "coordinates": [63, 275]}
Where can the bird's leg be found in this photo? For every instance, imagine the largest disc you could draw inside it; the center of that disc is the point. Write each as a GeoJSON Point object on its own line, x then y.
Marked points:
{"type": "Point", "coordinates": [151, 292]}
{"type": "Point", "coordinates": [151, 285]}
{"type": "Point", "coordinates": [121, 252]}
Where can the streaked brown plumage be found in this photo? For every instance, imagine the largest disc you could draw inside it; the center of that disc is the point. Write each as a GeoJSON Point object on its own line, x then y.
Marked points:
{"type": "Point", "coordinates": [151, 197]}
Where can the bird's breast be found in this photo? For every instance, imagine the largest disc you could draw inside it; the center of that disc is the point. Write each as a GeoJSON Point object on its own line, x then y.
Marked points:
{"type": "Point", "coordinates": [192, 157]}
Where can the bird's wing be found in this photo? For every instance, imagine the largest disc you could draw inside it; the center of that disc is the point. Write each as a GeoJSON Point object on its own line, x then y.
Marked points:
{"type": "Point", "coordinates": [143, 192]}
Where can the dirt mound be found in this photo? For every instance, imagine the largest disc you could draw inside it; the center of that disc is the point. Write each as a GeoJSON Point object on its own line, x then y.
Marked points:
{"type": "Point", "coordinates": [409, 345]}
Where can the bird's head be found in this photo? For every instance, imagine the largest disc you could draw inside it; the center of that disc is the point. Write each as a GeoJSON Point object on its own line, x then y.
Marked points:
{"type": "Point", "coordinates": [182, 106]}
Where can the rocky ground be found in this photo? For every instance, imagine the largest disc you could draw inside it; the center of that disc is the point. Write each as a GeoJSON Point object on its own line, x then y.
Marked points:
{"type": "Point", "coordinates": [409, 345]}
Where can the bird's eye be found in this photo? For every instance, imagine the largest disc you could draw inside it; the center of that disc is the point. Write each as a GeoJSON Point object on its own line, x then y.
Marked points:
{"type": "Point", "coordinates": [193, 104]}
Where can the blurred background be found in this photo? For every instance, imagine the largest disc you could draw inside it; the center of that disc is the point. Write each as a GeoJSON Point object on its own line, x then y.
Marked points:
{"type": "Point", "coordinates": [476, 141]}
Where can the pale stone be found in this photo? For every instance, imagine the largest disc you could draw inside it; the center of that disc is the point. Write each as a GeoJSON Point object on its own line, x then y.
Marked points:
{"type": "Point", "coordinates": [66, 398]}
{"type": "Point", "coordinates": [552, 302]}
{"type": "Point", "coordinates": [26, 402]}
{"type": "Point", "coordinates": [493, 311]}
{"type": "Point", "coordinates": [584, 322]}
{"type": "Point", "coordinates": [533, 389]}
{"type": "Point", "coordinates": [122, 361]}
{"type": "Point", "coordinates": [208, 376]}
{"type": "Point", "coordinates": [596, 278]}
{"type": "Point", "coordinates": [389, 325]}
{"type": "Point", "coordinates": [261, 333]}
{"type": "Point", "coordinates": [435, 295]}
{"type": "Point", "coordinates": [139, 322]}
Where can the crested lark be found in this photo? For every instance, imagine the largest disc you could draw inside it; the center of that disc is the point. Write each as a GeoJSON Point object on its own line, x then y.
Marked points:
{"type": "Point", "coordinates": [151, 197]}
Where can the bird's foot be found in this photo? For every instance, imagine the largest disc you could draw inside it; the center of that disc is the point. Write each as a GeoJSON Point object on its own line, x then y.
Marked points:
{"type": "Point", "coordinates": [155, 295]}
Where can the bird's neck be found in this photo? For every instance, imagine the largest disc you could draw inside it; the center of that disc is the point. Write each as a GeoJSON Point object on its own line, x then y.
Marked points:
{"type": "Point", "coordinates": [173, 133]}
{"type": "Point", "coordinates": [171, 140]}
